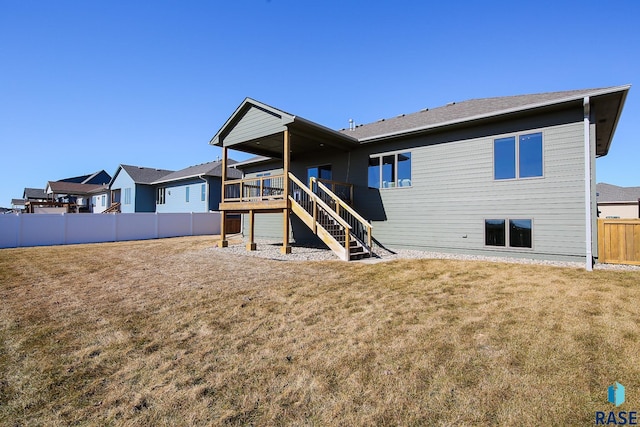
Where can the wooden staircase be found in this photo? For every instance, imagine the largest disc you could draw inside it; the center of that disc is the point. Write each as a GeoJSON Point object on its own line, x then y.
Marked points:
{"type": "Point", "coordinates": [337, 224]}
{"type": "Point", "coordinates": [114, 208]}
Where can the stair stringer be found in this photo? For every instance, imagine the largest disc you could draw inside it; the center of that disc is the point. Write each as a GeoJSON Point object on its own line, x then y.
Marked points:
{"type": "Point", "coordinates": [319, 230]}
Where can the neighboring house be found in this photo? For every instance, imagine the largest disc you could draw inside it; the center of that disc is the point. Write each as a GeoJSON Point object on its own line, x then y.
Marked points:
{"type": "Point", "coordinates": [510, 176]}
{"type": "Point", "coordinates": [132, 187]}
{"type": "Point", "coordinates": [76, 197]}
{"type": "Point", "coordinates": [100, 199]}
{"type": "Point", "coordinates": [18, 205]}
{"type": "Point", "coordinates": [193, 189]}
{"type": "Point", "coordinates": [84, 193]}
{"type": "Point", "coordinates": [34, 195]}
{"type": "Point", "coordinates": [100, 177]}
{"type": "Point", "coordinates": [617, 202]}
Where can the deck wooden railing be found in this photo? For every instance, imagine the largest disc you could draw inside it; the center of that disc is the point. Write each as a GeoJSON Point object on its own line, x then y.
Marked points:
{"type": "Point", "coordinates": [259, 189]}
{"type": "Point", "coordinates": [343, 190]}
{"type": "Point", "coordinates": [360, 227]}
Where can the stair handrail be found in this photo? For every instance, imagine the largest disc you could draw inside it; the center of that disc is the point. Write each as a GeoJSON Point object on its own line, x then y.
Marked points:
{"type": "Point", "coordinates": [319, 201]}
{"type": "Point", "coordinates": [346, 207]}
{"type": "Point", "coordinates": [115, 207]}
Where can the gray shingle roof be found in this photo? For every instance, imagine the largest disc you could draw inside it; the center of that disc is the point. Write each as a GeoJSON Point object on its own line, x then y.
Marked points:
{"type": "Point", "coordinates": [458, 112]}
{"type": "Point", "coordinates": [204, 169]}
{"type": "Point", "coordinates": [612, 193]}
{"type": "Point", "coordinates": [64, 187]}
{"type": "Point", "coordinates": [143, 175]}
{"type": "Point", "coordinates": [34, 193]}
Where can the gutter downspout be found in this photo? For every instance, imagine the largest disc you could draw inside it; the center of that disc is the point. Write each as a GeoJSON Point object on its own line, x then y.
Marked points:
{"type": "Point", "coordinates": [587, 185]}
{"type": "Point", "coordinates": [206, 193]}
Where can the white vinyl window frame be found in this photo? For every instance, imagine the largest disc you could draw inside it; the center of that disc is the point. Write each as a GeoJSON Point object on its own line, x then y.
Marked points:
{"type": "Point", "coordinates": [396, 182]}
{"type": "Point", "coordinates": [517, 163]}
{"type": "Point", "coordinates": [161, 195]}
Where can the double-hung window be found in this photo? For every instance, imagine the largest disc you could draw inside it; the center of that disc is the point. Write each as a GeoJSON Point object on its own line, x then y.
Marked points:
{"type": "Point", "coordinates": [517, 157]}
{"type": "Point", "coordinates": [127, 196]}
{"type": "Point", "coordinates": [390, 170]}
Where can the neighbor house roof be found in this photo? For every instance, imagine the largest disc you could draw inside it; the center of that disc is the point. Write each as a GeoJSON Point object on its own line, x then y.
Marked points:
{"type": "Point", "coordinates": [99, 177]}
{"type": "Point", "coordinates": [34, 193]}
{"type": "Point", "coordinates": [612, 193]}
{"type": "Point", "coordinates": [74, 188]}
{"type": "Point", "coordinates": [204, 169]}
{"type": "Point", "coordinates": [143, 175]}
{"type": "Point", "coordinates": [252, 161]}
{"type": "Point", "coordinates": [484, 108]}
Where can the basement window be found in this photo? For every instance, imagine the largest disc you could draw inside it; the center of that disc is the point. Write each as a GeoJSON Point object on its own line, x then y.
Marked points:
{"type": "Point", "coordinates": [519, 234]}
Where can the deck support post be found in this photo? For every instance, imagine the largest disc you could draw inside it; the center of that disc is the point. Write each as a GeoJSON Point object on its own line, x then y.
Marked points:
{"type": "Point", "coordinates": [251, 246]}
{"type": "Point", "coordinates": [286, 160]}
{"type": "Point", "coordinates": [223, 215]}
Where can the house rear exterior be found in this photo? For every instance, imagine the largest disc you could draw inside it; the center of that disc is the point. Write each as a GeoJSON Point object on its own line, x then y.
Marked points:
{"type": "Point", "coordinates": [509, 176]}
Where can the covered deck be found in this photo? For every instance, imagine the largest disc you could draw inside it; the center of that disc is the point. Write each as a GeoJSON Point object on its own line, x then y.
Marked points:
{"type": "Point", "coordinates": [262, 130]}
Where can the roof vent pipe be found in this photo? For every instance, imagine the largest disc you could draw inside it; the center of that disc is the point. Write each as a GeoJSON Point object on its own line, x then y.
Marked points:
{"type": "Point", "coordinates": [351, 125]}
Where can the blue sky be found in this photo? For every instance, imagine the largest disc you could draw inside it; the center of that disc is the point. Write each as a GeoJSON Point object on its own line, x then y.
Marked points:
{"type": "Point", "coordinates": [87, 85]}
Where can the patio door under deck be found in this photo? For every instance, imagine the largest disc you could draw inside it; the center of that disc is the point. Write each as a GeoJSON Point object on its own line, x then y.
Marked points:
{"type": "Point", "coordinates": [319, 172]}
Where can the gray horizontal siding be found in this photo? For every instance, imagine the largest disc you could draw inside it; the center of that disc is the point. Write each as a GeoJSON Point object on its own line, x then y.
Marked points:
{"type": "Point", "coordinates": [453, 192]}
{"type": "Point", "coordinates": [266, 226]}
{"type": "Point", "coordinates": [254, 124]}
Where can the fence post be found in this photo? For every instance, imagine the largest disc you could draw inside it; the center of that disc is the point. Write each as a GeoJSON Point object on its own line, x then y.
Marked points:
{"type": "Point", "coordinates": [19, 236]}
{"type": "Point", "coordinates": [115, 226]}
{"type": "Point", "coordinates": [601, 240]}
{"type": "Point", "coordinates": [64, 235]}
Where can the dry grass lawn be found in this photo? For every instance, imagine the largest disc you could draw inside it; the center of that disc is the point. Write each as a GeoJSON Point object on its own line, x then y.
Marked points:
{"type": "Point", "coordinates": [172, 332]}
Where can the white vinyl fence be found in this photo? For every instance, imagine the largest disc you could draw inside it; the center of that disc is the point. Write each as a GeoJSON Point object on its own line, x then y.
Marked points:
{"type": "Point", "coordinates": [18, 230]}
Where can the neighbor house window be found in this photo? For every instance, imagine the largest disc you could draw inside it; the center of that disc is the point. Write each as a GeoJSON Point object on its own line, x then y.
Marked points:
{"type": "Point", "coordinates": [390, 170]}
{"type": "Point", "coordinates": [203, 192]}
{"type": "Point", "coordinates": [127, 196]}
{"type": "Point", "coordinates": [519, 234]}
{"type": "Point", "coordinates": [160, 198]}
{"type": "Point", "coordinates": [523, 159]}
{"type": "Point", "coordinates": [186, 195]}
{"type": "Point", "coordinates": [104, 200]}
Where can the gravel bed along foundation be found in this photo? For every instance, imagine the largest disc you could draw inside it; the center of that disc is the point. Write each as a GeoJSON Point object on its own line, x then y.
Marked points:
{"type": "Point", "coordinates": [270, 249]}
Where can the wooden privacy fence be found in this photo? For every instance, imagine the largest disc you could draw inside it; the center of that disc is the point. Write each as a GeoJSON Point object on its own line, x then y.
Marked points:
{"type": "Point", "coordinates": [619, 241]}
